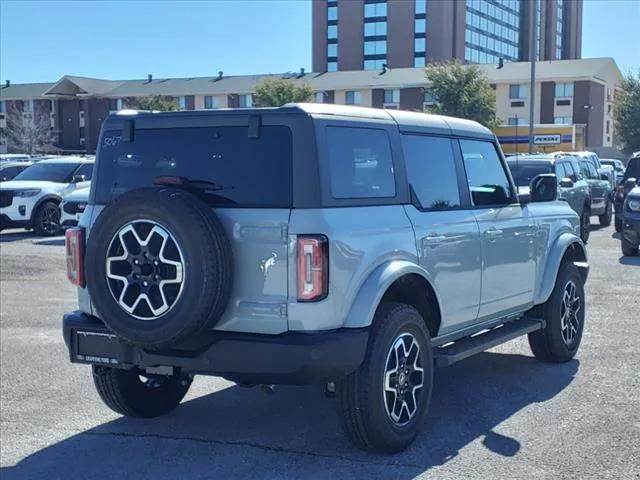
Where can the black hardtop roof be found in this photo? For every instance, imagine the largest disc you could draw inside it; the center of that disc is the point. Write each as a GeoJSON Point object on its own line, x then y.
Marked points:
{"type": "Point", "coordinates": [406, 121]}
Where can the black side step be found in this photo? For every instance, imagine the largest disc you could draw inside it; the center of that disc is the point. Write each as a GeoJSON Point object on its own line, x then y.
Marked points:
{"type": "Point", "coordinates": [468, 346]}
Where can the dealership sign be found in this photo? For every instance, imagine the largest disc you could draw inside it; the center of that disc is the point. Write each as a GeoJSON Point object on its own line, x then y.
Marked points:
{"type": "Point", "coordinates": [547, 139]}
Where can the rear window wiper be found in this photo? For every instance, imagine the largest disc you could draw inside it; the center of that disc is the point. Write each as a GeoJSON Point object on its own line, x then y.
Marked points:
{"type": "Point", "coordinates": [206, 185]}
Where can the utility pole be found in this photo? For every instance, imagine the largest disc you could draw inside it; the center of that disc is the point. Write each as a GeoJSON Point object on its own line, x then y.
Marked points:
{"type": "Point", "coordinates": [532, 87]}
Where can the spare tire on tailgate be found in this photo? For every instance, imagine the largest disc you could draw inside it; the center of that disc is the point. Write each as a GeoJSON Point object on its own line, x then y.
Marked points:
{"type": "Point", "coordinates": [159, 266]}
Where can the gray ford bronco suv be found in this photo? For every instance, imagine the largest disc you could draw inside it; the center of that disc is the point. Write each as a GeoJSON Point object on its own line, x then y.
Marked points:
{"type": "Point", "coordinates": [352, 247]}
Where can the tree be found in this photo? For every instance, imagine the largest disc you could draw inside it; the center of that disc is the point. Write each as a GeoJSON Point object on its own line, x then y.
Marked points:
{"type": "Point", "coordinates": [161, 103]}
{"type": "Point", "coordinates": [28, 132]}
{"type": "Point", "coordinates": [627, 113]}
{"type": "Point", "coordinates": [275, 92]}
{"type": "Point", "coordinates": [462, 91]}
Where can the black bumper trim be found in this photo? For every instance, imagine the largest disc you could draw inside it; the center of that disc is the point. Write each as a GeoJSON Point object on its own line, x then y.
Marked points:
{"type": "Point", "coordinates": [6, 222]}
{"type": "Point", "coordinates": [292, 358]}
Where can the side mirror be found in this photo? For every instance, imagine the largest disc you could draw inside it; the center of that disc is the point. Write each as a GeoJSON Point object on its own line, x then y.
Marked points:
{"type": "Point", "coordinates": [566, 183]}
{"type": "Point", "coordinates": [79, 178]}
{"type": "Point", "coordinates": [604, 177]}
{"type": "Point", "coordinates": [544, 188]}
{"type": "Point", "coordinates": [630, 184]}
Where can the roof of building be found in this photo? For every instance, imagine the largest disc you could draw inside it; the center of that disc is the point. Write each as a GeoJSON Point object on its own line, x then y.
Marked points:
{"type": "Point", "coordinates": [591, 68]}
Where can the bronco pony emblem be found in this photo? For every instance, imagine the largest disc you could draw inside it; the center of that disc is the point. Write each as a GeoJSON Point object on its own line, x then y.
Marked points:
{"type": "Point", "coordinates": [268, 263]}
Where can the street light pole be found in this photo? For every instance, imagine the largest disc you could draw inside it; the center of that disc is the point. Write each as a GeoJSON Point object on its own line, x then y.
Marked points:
{"type": "Point", "coordinates": [532, 86]}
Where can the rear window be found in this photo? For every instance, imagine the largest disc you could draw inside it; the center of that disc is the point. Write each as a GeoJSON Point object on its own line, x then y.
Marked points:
{"type": "Point", "coordinates": [360, 163]}
{"type": "Point", "coordinates": [222, 164]}
{"type": "Point", "coordinates": [523, 173]}
{"type": "Point", "coordinates": [633, 169]}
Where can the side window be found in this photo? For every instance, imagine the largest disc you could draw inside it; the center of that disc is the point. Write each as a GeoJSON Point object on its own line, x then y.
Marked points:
{"type": "Point", "coordinates": [8, 173]}
{"type": "Point", "coordinates": [431, 170]}
{"type": "Point", "coordinates": [360, 163]}
{"type": "Point", "coordinates": [561, 171]}
{"type": "Point", "coordinates": [584, 169]}
{"type": "Point", "coordinates": [488, 181]}
{"type": "Point", "coordinates": [86, 170]}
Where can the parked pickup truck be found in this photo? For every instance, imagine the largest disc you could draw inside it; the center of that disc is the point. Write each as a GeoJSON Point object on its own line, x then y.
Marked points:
{"type": "Point", "coordinates": [359, 248]}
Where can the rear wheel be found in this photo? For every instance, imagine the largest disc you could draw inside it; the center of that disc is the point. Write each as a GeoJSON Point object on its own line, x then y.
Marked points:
{"type": "Point", "coordinates": [605, 218]}
{"type": "Point", "coordinates": [383, 404]}
{"type": "Point", "coordinates": [629, 249]}
{"type": "Point", "coordinates": [46, 221]}
{"type": "Point", "coordinates": [585, 224]}
{"type": "Point", "coordinates": [135, 394]}
{"type": "Point", "coordinates": [564, 313]}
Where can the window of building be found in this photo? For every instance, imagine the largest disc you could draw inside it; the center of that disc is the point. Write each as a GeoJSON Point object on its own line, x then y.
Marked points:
{"type": "Point", "coordinates": [332, 66]}
{"type": "Point", "coordinates": [559, 29]}
{"type": "Point", "coordinates": [360, 163]}
{"type": "Point", "coordinates": [246, 101]}
{"type": "Point", "coordinates": [332, 13]}
{"type": "Point", "coordinates": [374, 64]}
{"type": "Point", "coordinates": [420, 25]}
{"type": "Point", "coordinates": [332, 50]}
{"type": "Point", "coordinates": [419, 61]}
{"type": "Point", "coordinates": [419, 45]}
{"type": "Point", "coordinates": [119, 104]}
{"type": "Point", "coordinates": [27, 106]}
{"type": "Point", "coordinates": [421, 7]}
{"type": "Point", "coordinates": [182, 102]}
{"type": "Point", "coordinates": [492, 31]}
{"type": "Point", "coordinates": [378, 47]}
{"type": "Point", "coordinates": [373, 10]}
{"type": "Point", "coordinates": [375, 29]}
{"type": "Point", "coordinates": [431, 169]}
{"type": "Point", "coordinates": [516, 121]}
{"type": "Point", "coordinates": [518, 91]}
{"type": "Point", "coordinates": [210, 102]}
{"type": "Point", "coordinates": [332, 32]}
{"type": "Point", "coordinates": [564, 89]}
{"type": "Point", "coordinates": [3, 107]}
{"type": "Point", "coordinates": [488, 182]}
{"type": "Point", "coordinates": [562, 120]}
{"type": "Point", "coordinates": [392, 96]}
{"type": "Point", "coordinates": [319, 97]}
{"type": "Point", "coordinates": [608, 127]}
{"type": "Point", "coordinates": [353, 97]}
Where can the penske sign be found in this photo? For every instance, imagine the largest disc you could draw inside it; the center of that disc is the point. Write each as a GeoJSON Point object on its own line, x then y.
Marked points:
{"type": "Point", "coordinates": [547, 139]}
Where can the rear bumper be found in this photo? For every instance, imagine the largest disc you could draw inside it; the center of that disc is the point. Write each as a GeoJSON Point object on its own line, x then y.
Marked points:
{"type": "Point", "coordinates": [291, 358]}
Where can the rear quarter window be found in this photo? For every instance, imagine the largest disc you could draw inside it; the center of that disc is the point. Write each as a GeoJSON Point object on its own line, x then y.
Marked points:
{"type": "Point", "coordinates": [360, 163]}
{"type": "Point", "coordinates": [228, 168]}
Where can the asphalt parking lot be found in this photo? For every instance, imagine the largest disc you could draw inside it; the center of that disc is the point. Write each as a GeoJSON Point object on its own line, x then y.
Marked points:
{"type": "Point", "coordinates": [500, 414]}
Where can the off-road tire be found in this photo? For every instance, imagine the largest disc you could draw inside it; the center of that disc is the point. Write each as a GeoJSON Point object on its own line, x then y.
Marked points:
{"type": "Point", "coordinates": [124, 392]}
{"type": "Point", "coordinates": [548, 344]}
{"type": "Point", "coordinates": [618, 224]}
{"type": "Point", "coordinates": [39, 221]}
{"type": "Point", "coordinates": [605, 218]}
{"type": "Point", "coordinates": [208, 266]}
{"type": "Point", "coordinates": [628, 248]}
{"type": "Point", "coordinates": [585, 224]}
{"type": "Point", "coordinates": [360, 396]}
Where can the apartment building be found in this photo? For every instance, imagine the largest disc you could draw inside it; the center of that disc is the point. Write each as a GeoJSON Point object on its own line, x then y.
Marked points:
{"type": "Point", "coordinates": [567, 92]}
{"type": "Point", "coordinates": [367, 34]}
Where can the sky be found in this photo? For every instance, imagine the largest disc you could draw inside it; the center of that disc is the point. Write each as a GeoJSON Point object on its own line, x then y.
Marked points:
{"type": "Point", "coordinates": [42, 41]}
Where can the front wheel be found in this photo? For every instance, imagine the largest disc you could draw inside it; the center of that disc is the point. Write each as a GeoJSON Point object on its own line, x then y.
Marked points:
{"type": "Point", "coordinates": [382, 405]}
{"type": "Point", "coordinates": [585, 224]}
{"type": "Point", "coordinates": [46, 221]}
{"type": "Point", "coordinates": [564, 313]}
{"type": "Point", "coordinates": [605, 218]}
{"type": "Point", "coordinates": [136, 394]}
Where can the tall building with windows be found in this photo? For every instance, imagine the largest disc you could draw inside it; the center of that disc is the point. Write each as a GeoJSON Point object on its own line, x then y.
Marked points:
{"type": "Point", "coordinates": [367, 34]}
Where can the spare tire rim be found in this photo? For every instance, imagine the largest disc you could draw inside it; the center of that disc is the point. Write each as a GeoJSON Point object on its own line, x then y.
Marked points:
{"type": "Point", "coordinates": [403, 379]}
{"type": "Point", "coordinates": [145, 269]}
{"type": "Point", "coordinates": [570, 312]}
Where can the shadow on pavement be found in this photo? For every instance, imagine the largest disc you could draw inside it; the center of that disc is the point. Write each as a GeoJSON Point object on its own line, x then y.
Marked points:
{"type": "Point", "coordinates": [50, 242]}
{"type": "Point", "coordinates": [15, 236]}
{"type": "Point", "coordinates": [239, 432]}
{"type": "Point", "coordinates": [626, 260]}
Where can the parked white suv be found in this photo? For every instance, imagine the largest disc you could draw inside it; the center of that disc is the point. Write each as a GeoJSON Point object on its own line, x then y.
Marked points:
{"type": "Point", "coordinates": [32, 198]}
{"type": "Point", "coordinates": [72, 207]}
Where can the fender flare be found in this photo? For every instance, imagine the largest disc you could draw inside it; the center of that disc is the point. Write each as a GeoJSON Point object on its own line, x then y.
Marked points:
{"type": "Point", "coordinates": [49, 196]}
{"type": "Point", "coordinates": [376, 285]}
{"type": "Point", "coordinates": [554, 259]}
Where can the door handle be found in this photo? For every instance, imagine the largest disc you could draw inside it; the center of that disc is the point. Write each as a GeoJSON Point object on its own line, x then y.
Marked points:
{"type": "Point", "coordinates": [493, 233]}
{"type": "Point", "coordinates": [434, 239]}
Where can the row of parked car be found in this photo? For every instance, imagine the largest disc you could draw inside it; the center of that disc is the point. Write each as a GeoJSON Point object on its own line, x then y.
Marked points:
{"type": "Point", "coordinates": [593, 187]}
{"type": "Point", "coordinates": [45, 195]}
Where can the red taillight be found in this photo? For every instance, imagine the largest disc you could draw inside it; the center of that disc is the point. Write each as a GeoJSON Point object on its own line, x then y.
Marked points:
{"type": "Point", "coordinates": [313, 268]}
{"type": "Point", "coordinates": [75, 255]}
